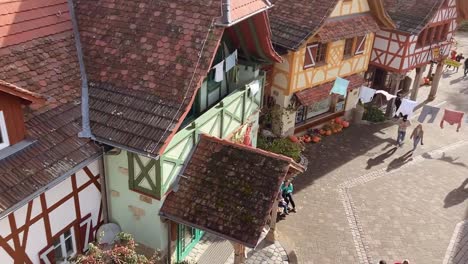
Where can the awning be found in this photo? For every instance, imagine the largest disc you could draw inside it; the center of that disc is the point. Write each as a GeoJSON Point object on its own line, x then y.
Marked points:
{"type": "Point", "coordinates": [321, 92]}
{"type": "Point", "coordinates": [228, 189]}
{"type": "Point", "coordinates": [253, 37]}
{"type": "Point", "coordinates": [355, 26]}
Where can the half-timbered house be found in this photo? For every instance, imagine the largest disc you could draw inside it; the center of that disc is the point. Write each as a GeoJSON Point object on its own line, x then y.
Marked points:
{"type": "Point", "coordinates": [160, 74]}
{"type": "Point", "coordinates": [326, 40]}
{"type": "Point", "coordinates": [423, 36]}
{"type": "Point", "coordinates": [50, 180]}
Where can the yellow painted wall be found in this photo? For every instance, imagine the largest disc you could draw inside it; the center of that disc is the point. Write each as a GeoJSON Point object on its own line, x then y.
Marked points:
{"type": "Point", "coordinates": [344, 8]}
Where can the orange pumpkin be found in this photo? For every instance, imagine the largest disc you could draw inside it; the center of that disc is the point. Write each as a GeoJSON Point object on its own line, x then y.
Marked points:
{"type": "Point", "coordinates": [328, 132]}
{"type": "Point", "coordinates": [345, 124]}
{"type": "Point", "coordinates": [338, 120]}
{"type": "Point", "coordinates": [307, 139]}
{"type": "Point", "coordinates": [322, 132]}
{"type": "Point", "coordinates": [316, 139]}
{"type": "Point", "coordinates": [293, 139]}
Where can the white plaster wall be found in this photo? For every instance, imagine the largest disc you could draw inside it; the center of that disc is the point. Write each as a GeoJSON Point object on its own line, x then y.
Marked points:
{"type": "Point", "coordinates": [5, 258]}
{"type": "Point", "coordinates": [58, 192]}
{"type": "Point", "coordinates": [62, 216]}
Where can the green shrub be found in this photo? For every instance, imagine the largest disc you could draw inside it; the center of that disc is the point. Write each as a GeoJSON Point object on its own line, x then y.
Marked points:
{"type": "Point", "coordinates": [282, 146]}
{"type": "Point", "coordinates": [373, 114]}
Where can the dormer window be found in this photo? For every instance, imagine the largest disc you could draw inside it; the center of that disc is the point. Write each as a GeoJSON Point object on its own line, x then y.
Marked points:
{"type": "Point", "coordinates": [12, 97]}
{"type": "Point", "coordinates": [4, 141]}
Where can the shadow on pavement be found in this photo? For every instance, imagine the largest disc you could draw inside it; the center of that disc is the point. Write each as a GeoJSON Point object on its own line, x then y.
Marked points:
{"type": "Point", "coordinates": [339, 149]}
{"type": "Point", "coordinates": [447, 159]}
{"type": "Point", "coordinates": [381, 158]}
{"type": "Point", "coordinates": [457, 196]}
{"type": "Point", "coordinates": [400, 161]}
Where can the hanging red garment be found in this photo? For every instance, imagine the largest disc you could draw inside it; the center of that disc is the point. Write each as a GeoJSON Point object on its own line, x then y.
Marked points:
{"type": "Point", "coordinates": [452, 117]}
{"type": "Point", "coordinates": [247, 138]}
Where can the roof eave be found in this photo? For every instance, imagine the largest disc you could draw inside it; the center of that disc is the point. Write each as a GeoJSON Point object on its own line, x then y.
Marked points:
{"type": "Point", "coordinates": [19, 92]}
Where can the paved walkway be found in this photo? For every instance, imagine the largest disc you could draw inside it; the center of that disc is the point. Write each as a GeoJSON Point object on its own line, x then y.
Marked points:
{"type": "Point", "coordinates": [362, 200]}
{"type": "Point", "coordinates": [215, 250]}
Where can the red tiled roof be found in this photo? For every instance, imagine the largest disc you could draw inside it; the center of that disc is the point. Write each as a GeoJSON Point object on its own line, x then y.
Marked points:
{"type": "Point", "coordinates": [21, 92]}
{"type": "Point", "coordinates": [227, 189]}
{"type": "Point", "coordinates": [241, 9]}
{"type": "Point", "coordinates": [46, 66]}
{"type": "Point", "coordinates": [145, 49]}
{"type": "Point", "coordinates": [318, 93]}
{"type": "Point", "coordinates": [412, 16]}
{"type": "Point", "coordinates": [294, 21]}
{"type": "Point", "coordinates": [347, 27]}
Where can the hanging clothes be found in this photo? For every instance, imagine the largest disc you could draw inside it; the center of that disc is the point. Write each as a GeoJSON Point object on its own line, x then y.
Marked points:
{"type": "Point", "coordinates": [452, 117]}
{"type": "Point", "coordinates": [219, 72]}
{"type": "Point", "coordinates": [231, 61]}
{"type": "Point", "coordinates": [254, 87]}
{"type": "Point", "coordinates": [340, 87]}
{"type": "Point", "coordinates": [406, 108]}
{"type": "Point", "coordinates": [366, 94]}
{"type": "Point", "coordinates": [428, 111]}
{"type": "Point", "coordinates": [386, 94]}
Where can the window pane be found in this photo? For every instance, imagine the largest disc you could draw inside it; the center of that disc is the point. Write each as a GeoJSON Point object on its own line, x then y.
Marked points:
{"type": "Point", "coordinates": [69, 246]}
{"type": "Point", "coordinates": [1, 136]}
{"type": "Point", "coordinates": [348, 50]}
{"type": "Point", "coordinates": [58, 253]}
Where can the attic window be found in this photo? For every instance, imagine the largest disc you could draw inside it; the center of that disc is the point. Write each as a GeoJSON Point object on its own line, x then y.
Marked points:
{"type": "Point", "coordinates": [4, 141]}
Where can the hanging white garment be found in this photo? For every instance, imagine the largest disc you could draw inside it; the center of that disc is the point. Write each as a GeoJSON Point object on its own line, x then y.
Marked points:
{"type": "Point", "coordinates": [254, 87]}
{"type": "Point", "coordinates": [386, 94]}
{"type": "Point", "coordinates": [406, 108]}
{"type": "Point", "coordinates": [231, 61]}
{"type": "Point", "coordinates": [366, 94]}
{"type": "Point", "coordinates": [219, 72]}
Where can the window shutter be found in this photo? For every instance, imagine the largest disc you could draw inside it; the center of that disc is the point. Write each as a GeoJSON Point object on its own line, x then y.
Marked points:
{"type": "Point", "coordinates": [310, 55]}
{"type": "Point", "coordinates": [86, 235]}
{"type": "Point", "coordinates": [360, 45]}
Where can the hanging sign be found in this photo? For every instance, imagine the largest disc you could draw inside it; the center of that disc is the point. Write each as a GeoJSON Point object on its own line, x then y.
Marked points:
{"type": "Point", "coordinates": [436, 53]}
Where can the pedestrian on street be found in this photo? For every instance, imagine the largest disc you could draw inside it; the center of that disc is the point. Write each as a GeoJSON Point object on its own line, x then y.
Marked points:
{"type": "Point", "coordinates": [459, 58]}
{"type": "Point", "coordinates": [382, 262]}
{"type": "Point", "coordinates": [287, 190]}
{"type": "Point", "coordinates": [282, 204]}
{"type": "Point", "coordinates": [466, 67]}
{"type": "Point", "coordinates": [403, 262]}
{"type": "Point", "coordinates": [402, 126]}
{"type": "Point", "coordinates": [417, 136]}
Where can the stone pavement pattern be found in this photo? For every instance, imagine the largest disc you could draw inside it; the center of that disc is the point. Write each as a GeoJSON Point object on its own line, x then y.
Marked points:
{"type": "Point", "coordinates": [407, 208]}
{"type": "Point", "coordinates": [215, 250]}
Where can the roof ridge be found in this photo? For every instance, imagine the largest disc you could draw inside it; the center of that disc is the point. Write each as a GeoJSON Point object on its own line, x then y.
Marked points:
{"type": "Point", "coordinates": [249, 148]}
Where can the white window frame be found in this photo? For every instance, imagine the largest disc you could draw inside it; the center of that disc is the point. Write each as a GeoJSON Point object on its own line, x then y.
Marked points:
{"type": "Point", "coordinates": [4, 132]}
{"type": "Point", "coordinates": [63, 247]}
{"type": "Point", "coordinates": [361, 47]}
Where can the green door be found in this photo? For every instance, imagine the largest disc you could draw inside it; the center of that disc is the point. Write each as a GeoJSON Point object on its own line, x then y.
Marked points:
{"type": "Point", "coordinates": [187, 238]}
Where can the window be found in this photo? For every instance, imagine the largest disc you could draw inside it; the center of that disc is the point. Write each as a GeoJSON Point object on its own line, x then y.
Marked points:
{"type": "Point", "coordinates": [348, 48]}
{"type": "Point", "coordinates": [315, 53]}
{"type": "Point", "coordinates": [4, 141]}
{"type": "Point", "coordinates": [307, 112]}
{"type": "Point", "coordinates": [63, 248]}
{"type": "Point", "coordinates": [360, 45]}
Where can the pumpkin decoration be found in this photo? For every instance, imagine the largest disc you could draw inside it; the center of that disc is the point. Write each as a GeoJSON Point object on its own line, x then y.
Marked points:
{"type": "Point", "coordinates": [322, 132]}
{"type": "Point", "coordinates": [338, 120]}
{"type": "Point", "coordinates": [307, 139]}
{"type": "Point", "coordinates": [293, 139]}
{"type": "Point", "coordinates": [316, 139]}
{"type": "Point", "coordinates": [328, 132]}
{"type": "Point", "coordinates": [345, 124]}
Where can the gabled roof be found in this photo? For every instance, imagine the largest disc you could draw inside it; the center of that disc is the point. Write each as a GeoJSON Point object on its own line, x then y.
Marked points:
{"type": "Point", "coordinates": [228, 189]}
{"type": "Point", "coordinates": [294, 21]}
{"type": "Point", "coordinates": [22, 93]}
{"type": "Point", "coordinates": [151, 56]}
{"type": "Point", "coordinates": [241, 9]}
{"type": "Point", "coordinates": [412, 16]}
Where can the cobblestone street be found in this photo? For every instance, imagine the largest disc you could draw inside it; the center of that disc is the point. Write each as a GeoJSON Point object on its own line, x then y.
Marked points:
{"type": "Point", "coordinates": [361, 200]}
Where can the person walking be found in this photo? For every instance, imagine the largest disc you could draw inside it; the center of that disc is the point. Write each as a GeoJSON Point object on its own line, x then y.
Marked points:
{"type": "Point", "coordinates": [466, 67]}
{"type": "Point", "coordinates": [459, 58]}
{"type": "Point", "coordinates": [402, 126]}
{"type": "Point", "coordinates": [287, 190]}
{"type": "Point", "coordinates": [417, 136]}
